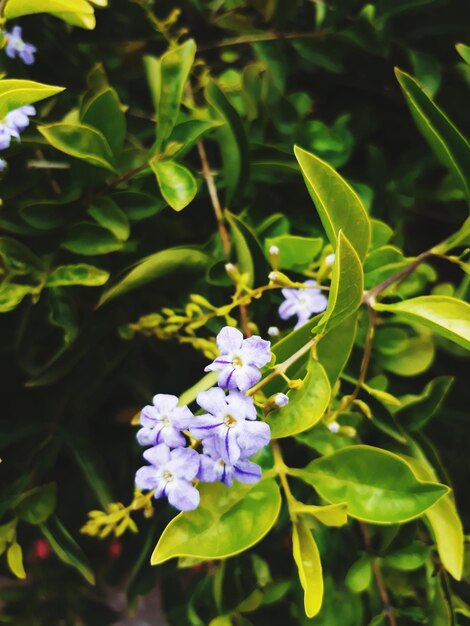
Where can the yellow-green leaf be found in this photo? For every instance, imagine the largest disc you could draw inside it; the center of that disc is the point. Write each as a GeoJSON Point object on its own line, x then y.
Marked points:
{"type": "Point", "coordinates": [15, 560]}
{"type": "Point", "coordinates": [227, 521]}
{"type": "Point", "coordinates": [177, 184]}
{"type": "Point", "coordinates": [330, 514]}
{"type": "Point", "coordinates": [17, 93]}
{"type": "Point", "coordinates": [78, 274]}
{"type": "Point", "coordinates": [18, 8]}
{"type": "Point", "coordinates": [307, 559]}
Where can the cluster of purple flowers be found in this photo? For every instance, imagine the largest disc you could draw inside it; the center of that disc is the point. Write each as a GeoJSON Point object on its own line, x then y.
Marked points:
{"type": "Point", "coordinates": [16, 47]}
{"type": "Point", "coordinates": [302, 302]}
{"type": "Point", "coordinates": [227, 428]}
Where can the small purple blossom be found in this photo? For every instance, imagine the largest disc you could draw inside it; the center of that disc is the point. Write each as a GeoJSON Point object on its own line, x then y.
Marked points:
{"type": "Point", "coordinates": [170, 475]}
{"type": "Point", "coordinates": [232, 420]}
{"type": "Point", "coordinates": [302, 302]}
{"type": "Point", "coordinates": [16, 47]}
{"type": "Point", "coordinates": [240, 359]}
{"type": "Point", "coordinates": [14, 122]}
{"type": "Point", "coordinates": [280, 399]}
{"type": "Point", "coordinates": [163, 422]}
{"type": "Point", "coordinates": [214, 468]}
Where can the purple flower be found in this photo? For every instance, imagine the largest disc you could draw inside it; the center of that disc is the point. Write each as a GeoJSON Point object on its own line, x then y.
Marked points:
{"type": "Point", "coordinates": [214, 468]}
{"type": "Point", "coordinates": [15, 46]}
{"type": "Point", "coordinates": [240, 359]}
{"type": "Point", "coordinates": [18, 119]}
{"type": "Point", "coordinates": [163, 422]}
{"type": "Point", "coordinates": [170, 474]}
{"type": "Point", "coordinates": [232, 420]}
{"type": "Point", "coordinates": [302, 302]}
{"type": "Point", "coordinates": [5, 136]}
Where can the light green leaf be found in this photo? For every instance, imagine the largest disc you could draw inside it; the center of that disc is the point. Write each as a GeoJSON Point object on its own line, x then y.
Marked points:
{"type": "Point", "coordinates": [82, 142]}
{"type": "Point", "coordinates": [37, 505]}
{"type": "Point", "coordinates": [307, 559]}
{"type": "Point", "coordinates": [66, 548]}
{"type": "Point", "coordinates": [359, 575]}
{"type": "Point", "coordinates": [414, 358]}
{"type": "Point", "coordinates": [409, 558]}
{"type": "Point", "coordinates": [155, 266]}
{"type": "Point", "coordinates": [91, 239]}
{"type": "Point", "coordinates": [18, 258]}
{"type": "Point", "coordinates": [306, 405]}
{"type": "Point", "coordinates": [347, 285]}
{"type": "Point", "coordinates": [177, 184]}
{"type": "Point", "coordinates": [232, 141]}
{"type": "Point", "coordinates": [464, 51]}
{"type": "Point", "coordinates": [295, 253]}
{"type": "Point", "coordinates": [444, 521]}
{"type": "Point", "coordinates": [18, 8]}
{"type": "Point", "coordinates": [449, 145]}
{"type": "Point", "coordinates": [449, 317]}
{"type": "Point", "coordinates": [103, 111]}
{"type": "Point", "coordinates": [12, 294]}
{"type": "Point", "coordinates": [167, 77]}
{"type": "Point", "coordinates": [137, 205]}
{"type": "Point", "coordinates": [227, 521]}
{"type": "Point", "coordinates": [459, 239]}
{"type": "Point", "coordinates": [338, 205]}
{"type": "Point", "coordinates": [377, 485]}
{"type": "Point", "coordinates": [418, 410]}
{"type": "Point", "coordinates": [381, 233]}
{"type": "Point", "coordinates": [334, 349]}
{"type": "Point", "coordinates": [330, 514]}
{"type": "Point", "coordinates": [79, 274]}
{"type": "Point", "coordinates": [82, 20]}
{"type": "Point", "coordinates": [16, 93]}
{"type": "Point", "coordinates": [107, 213]}
{"type": "Point", "coordinates": [15, 560]}
{"type": "Point", "coordinates": [249, 254]}
{"type": "Point", "coordinates": [186, 134]}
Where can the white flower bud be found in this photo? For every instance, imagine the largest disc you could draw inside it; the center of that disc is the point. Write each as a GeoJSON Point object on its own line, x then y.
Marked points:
{"type": "Point", "coordinates": [334, 427]}
{"type": "Point", "coordinates": [274, 251]}
{"type": "Point", "coordinates": [280, 399]}
{"type": "Point", "coordinates": [229, 267]}
{"type": "Point", "coordinates": [273, 331]}
{"type": "Point", "coordinates": [330, 259]}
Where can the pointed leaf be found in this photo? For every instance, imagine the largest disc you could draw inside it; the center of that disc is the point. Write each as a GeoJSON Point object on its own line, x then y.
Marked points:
{"type": "Point", "coordinates": [79, 274]}
{"type": "Point", "coordinates": [307, 559]}
{"type": "Point", "coordinates": [110, 216]}
{"type": "Point", "coordinates": [177, 184]}
{"type": "Point", "coordinates": [17, 93]}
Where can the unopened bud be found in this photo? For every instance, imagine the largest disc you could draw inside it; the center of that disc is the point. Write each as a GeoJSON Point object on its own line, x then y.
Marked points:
{"type": "Point", "coordinates": [334, 427]}
{"type": "Point", "coordinates": [330, 259]}
{"type": "Point", "coordinates": [277, 401]}
{"type": "Point", "coordinates": [273, 331]}
{"type": "Point", "coordinates": [281, 399]}
{"type": "Point", "coordinates": [297, 383]}
{"type": "Point", "coordinates": [274, 251]}
{"type": "Point", "coordinates": [232, 271]}
{"type": "Point", "coordinates": [280, 279]}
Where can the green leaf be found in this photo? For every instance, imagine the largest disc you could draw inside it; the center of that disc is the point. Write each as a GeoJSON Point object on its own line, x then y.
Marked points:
{"type": "Point", "coordinates": [449, 317]}
{"type": "Point", "coordinates": [307, 559]}
{"type": "Point", "coordinates": [377, 485]}
{"type": "Point", "coordinates": [347, 285]}
{"type": "Point", "coordinates": [306, 405]}
{"type": "Point", "coordinates": [37, 505]}
{"type": "Point", "coordinates": [186, 134]}
{"type": "Point", "coordinates": [330, 514]}
{"type": "Point", "coordinates": [83, 20]}
{"type": "Point", "coordinates": [79, 274]}
{"type": "Point", "coordinates": [334, 349]}
{"type": "Point", "coordinates": [208, 532]}
{"type": "Point", "coordinates": [18, 8]}
{"type": "Point", "coordinates": [338, 205]}
{"type": "Point", "coordinates": [295, 253]}
{"type": "Point", "coordinates": [15, 560]}
{"type": "Point", "coordinates": [138, 206]}
{"type": "Point", "coordinates": [414, 358]}
{"type": "Point", "coordinates": [177, 184]}
{"type": "Point", "coordinates": [449, 145]}
{"type": "Point", "coordinates": [232, 141]}
{"type": "Point", "coordinates": [107, 213]}
{"type": "Point", "coordinates": [66, 548]}
{"type": "Point", "coordinates": [464, 51]}
{"type": "Point", "coordinates": [359, 575]}
{"type": "Point", "coordinates": [249, 254]}
{"type": "Point", "coordinates": [459, 239]}
{"type": "Point", "coordinates": [11, 295]}
{"type": "Point", "coordinates": [104, 113]}
{"type": "Point", "coordinates": [82, 142]}
{"type": "Point", "coordinates": [19, 259]}
{"type": "Point", "coordinates": [90, 239]}
{"type": "Point", "coordinates": [381, 233]}
{"type": "Point", "coordinates": [409, 558]}
{"type": "Point", "coordinates": [155, 266]}
{"type": "Point", "coordinates": [418, 410]}
{"type": "Point", "coordinates": [16, 93]}
{"type": "Point", "coordinates": [444, 521]}
{"type": "Point", "coordinates": [167, 77]}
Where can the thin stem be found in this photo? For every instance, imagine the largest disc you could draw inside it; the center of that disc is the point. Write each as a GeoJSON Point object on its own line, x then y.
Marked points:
{"type": "Point", "coordinates": [248, 39]}
{"type": "Point", "coordinates": [281, 470]}
{"type": "Point", "coordinates": [119, 180]}
{"type": "Point", "coordinates": [379, 580]}
{"type": "Point", "coordinates": [370, 295]}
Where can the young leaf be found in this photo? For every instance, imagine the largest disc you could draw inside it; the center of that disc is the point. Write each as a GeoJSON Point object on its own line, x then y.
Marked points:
{"type": "Point", "coordinates": [167, 77]}
{"type": "Point", "coordinates": [155, 266]}
{"type": "Point", "coordinates": [177, 184]}
{"type": "Point", "coordinates": [306, 405]}
{"type": "Point", "coordinates": [377, 485]}
{"type": "Point", "coordinates": [66, 548]}
{"type": "Point", "coordinates": [232, 141]}
{"type": "Point", "coordinates": [449, 145]}
{"type": "Point", "coordinates": [16, 93]}
{"type": "Point", "coordinates": [330, 514]}
{"type": "Point", "coordinates": [37, 505]}
{"type": "Point", "coordinates": [295, 253]}
{"type": "Point", "coordinates": [338, 205]}
{"type": "Point", "coordinates": [419, 409]}
{"type": "Point", "coordinates": [82, 142]}
{"type": "Point", "coordinates": [208, 532]}
{"type": "Point", "coordinates": [347, 284]}
{"type": "Point", "coordinates": [307, 559]}
{"type": "Point", "coordinates": [79, 274]}
{"type": "Point", "coordinates": [448, 317]}
{"type": "Point", "coordinates": [15, 560]}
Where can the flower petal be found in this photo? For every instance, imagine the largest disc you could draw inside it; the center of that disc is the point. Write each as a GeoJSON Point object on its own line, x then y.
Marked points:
{"type": "Point", "coordinates": [158, 455]}
{"type": "Point", "coordinates": [246, 376]}
{"type": "Point", "coordinates": [184, 463]}
{"type": "Point", "coordinates": [287, 309]}
{"type": "Point", "coordinates": [226, 379]}
{"type": "Point", "coordinates": [149, 416]}
{"type": "Point", "coordinates": [229, 340]}
{"type": "Point", "coordinates": [147, 478]}
{"type": "Point", "coordinates": [171, 437]}
{"type": "Point", "coordinates": [230, 449]}
{"type": "Point", "coordinates": [247, 472]}
{"type": "Point", "coordinates": [165, 402]}
{"type": "Point", "coordinates": [147, 436]}
{"type": "Point", "coordinates": [252, 437]}
{"type": "Point", "coordinates": [213, 401]}
{"type": "Point", "coordinates": [181, 417]}
{"type": "Point", "coordinates": [256, 351]}
{"type": "Point", "coordinates": [182, 495]}
{"type": "Point", "coordinates": [205, 426]}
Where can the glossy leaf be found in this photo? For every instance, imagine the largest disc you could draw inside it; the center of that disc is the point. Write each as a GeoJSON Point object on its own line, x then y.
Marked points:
{"type": "Point", "coordinates": [15, 93]}
{"type": "Point", "coordinates": [177, 184]}
{"type": "Point", "coordinates": [208, 532]}
{"type": "Point", "coordinates": [418, 410]}
{"type": "Point", "coordinates": [464, 52]}
{"type": "Point", "coordinates": [249, 254]}
{"type": "Point", "coordinates": [377, 485]}
{"type": "Point", "coordinates": [106, 212]}
{"type": "Point", "coordinates": [103, 111]}
{"type": "Point", "coordinates": [459, 239]}
{"type": "Point", "coordinates": [18, 8]}
{"type": "Point", "coordinates": [334, 349]}
{"type": "Point", "coordinates": [66, 548]}
{"type": "Point", "coordinates": [295, 253]}
{"type": "Point", "coordinates": [15, 560]}
{"type": "Point", "coordinates": [329, 514]}
{"type": "Point", "coordinates": [82, 20]}
{"type": "Point", "coordinates": [307, 559]}
{"type": "Point", "coordinates": [80, 141]}
{"type": "Point", "coordinates": [91, 239]}
{"type": "Point", "coordinates": [409, 558]}
{"type": "Point", "coordinates": [347, 285]}
{"type": "Point", "coordinates": [449, 145]}
{"type": "Point", "coordinates": [155, 266]}
{"type": "Point", "coordinates": [414, 358]}
{"type": "Point", "coordinates": [338, 205]}
{"type": "Point", "coordinates": [446, 316]}
{"type": "Point", "coordinates": [37, 505]}
{"type": "Point", "coordinates": [306, 405]}
{"type": "Point", "coordinates": [168, 76]}
{"type": "Point", "coordinates": [79, 274]}
{"type": "Point", "coordinates": [137, 205]}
